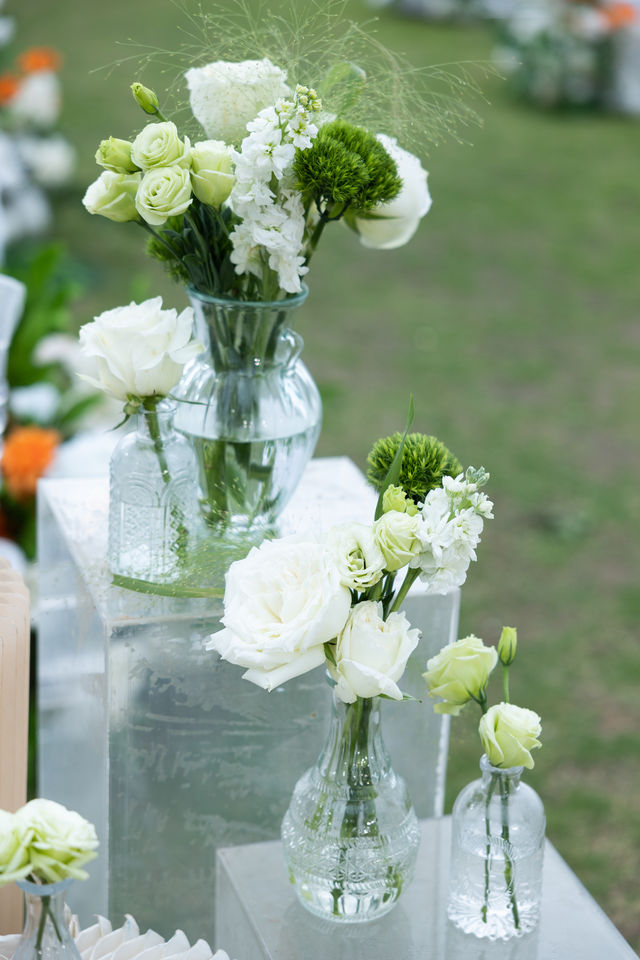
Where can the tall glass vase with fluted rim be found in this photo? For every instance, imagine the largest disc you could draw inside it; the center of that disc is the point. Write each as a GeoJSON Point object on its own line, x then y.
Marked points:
{"type": "Point", "coordinates": [350, 835]}
{"type": "Point", "coordinates": [251, 411]}
{"type": "Point", "coordinates": [498, 829]}
{"type": "Point", "coordinates": [46, 935]}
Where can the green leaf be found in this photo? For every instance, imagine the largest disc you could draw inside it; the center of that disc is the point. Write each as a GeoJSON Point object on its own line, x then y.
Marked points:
{"type": "Point", "coordinates": [329, 654]}
{"type": "Point", "coordinates": [405, 698]}
{"type": "Point", "coordinates": [396, 465]}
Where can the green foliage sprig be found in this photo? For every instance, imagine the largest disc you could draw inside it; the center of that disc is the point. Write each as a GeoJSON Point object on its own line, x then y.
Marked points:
{"type": "Point", "coordinates": [425, 461]}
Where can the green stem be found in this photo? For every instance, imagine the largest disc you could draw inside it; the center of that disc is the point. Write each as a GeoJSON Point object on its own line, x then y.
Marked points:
{"type": "Point", "coordinates": [505, 683]}
{"type": "Point", "coordinates": [508, 862]}
{"type": "Point", "coordinates": [150, 405]}
{"type": "Point", "coordinates": [487, 858]}
{"type": "Point", "coordinates": [409, 580]}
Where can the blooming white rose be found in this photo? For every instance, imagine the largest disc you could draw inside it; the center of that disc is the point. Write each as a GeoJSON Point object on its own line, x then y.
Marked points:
{"type": "Point", "coordinates": [282, 603]}
{"type": "Point", "coordinates": [212, 171]}
{"type": "Point", "coordinates": [158, 145]}
{"type": "Point", "coordinates": [38, 100]}
{"type": "Point", "coordinates": [508, 735]}
{"type": "Point", "coordinates": [459, 673]}
{"type": "Point", "coordinates": [371, 653]}
{"type": "Point", "coordinates": [396, 535]}
{"type": "Point", "coordinates": [359, 559]}
{"type": "Point", "coordinates": [15, 862]}
{"type": "Point", "coordinates": [225, 96]}
{"type": "Point", "coordinates": [394, 223]}
{"type": "Point", "coordinates": [164, 192]}
{"type": "Point", "coordinates": [139, 350]}
{"type": "Point", "coordinates": [61, 841]}
{"type": "Point", "coordinates": [113, 195]}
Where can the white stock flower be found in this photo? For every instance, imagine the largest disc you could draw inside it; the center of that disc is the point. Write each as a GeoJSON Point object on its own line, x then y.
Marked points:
{"type": "Point", "coordinates": [396, 535]}
{"type": "Point", "coordinates": [164, 192]}
{"type": "Point", "coordinates": [225, 96]}
{"type": "Point", "coordinates": [38, 100]}
{"type": "Point", "coordinates": [397, 221]}
{"type": "Point", "coordinates": [140, 350]}
{"type": "Point", "coordinates": [158, 145]}
{"type": "Point", "coordinates": [282, 603]}
{"type": "Point", "coordinates": [358, 557]}
{"type": "Point", "coordinates": [61, 843]}
{"type": "Point", "coordinates": [113, 195]}
{"type": "Point", "coordinates": [15, 862]}
{"type": "Point", "coordinates": [212, 171]}
{"type": "Point", "coordinates": [509, 734]}
{"type": "Point", "coordinates": [371, 653]}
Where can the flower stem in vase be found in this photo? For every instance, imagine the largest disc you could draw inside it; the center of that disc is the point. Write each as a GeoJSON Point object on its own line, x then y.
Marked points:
{"type": "Point", "coordinates": [180, 544]}
{"type": "Point", "coordinates": [508, 862]}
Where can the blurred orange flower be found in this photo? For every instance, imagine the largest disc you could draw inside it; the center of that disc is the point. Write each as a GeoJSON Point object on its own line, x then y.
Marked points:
{"type": "Point", "coordinates": [9, 85]}
{"type": "Point", "coordinates": [27, 453]}
{"type": "Point", "coordinates": [620, 15]}
{"type": "Point", "coordinates": [39, 58]}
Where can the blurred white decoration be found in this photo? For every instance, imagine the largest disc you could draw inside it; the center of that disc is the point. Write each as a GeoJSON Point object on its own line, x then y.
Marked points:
{"type": "Point", "coordinates": [7, 30]}
{"type": "Point", "coordinates": [38, 100]}
{"type": "Point", "coordinates": [50, 160]}
{"type": "Point", "coordinates": [24, 210]}
{"type": "Point", "coordinates": [38, 402]}
{"type": "Point", "coordinates": [12, 552]}
{"type": "Point", "coordinates": [12, 298]}
{"type": "Point", "coordinates": [625, 82]}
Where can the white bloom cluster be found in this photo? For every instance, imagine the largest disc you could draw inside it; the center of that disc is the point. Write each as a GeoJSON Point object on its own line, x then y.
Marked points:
{"type": "Point", "coordinates": [272, 212]}
{"type": "Point", "coordinates": [449, 527]}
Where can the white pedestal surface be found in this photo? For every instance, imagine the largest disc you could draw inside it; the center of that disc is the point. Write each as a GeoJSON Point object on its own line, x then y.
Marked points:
{"type": "Point", "coordinates": [163, 745]}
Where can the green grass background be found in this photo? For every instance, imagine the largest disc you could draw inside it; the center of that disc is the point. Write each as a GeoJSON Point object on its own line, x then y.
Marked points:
{"type": "Point", "coordinates": [513, 318]}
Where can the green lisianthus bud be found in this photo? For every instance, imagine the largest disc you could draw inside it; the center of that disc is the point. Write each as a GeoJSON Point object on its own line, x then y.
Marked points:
{"type": "Point", "coordinates": [507, 645]}
{"type": "Point", "coordinates": [115, 155]}
{"type": "Point", "coordinates": [394, 498]}
{"type": "Point", "coordinates": [145, 98]}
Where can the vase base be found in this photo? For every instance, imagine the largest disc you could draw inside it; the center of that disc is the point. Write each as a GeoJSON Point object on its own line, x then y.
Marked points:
{"type": "Point", "coordinates": [499, 925]}
{"type": "Point", "coordinates": [345, 907]}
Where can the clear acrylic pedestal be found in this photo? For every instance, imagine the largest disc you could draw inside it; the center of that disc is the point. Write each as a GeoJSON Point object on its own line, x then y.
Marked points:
{"type": "Point", "coordinates": [163, 745]}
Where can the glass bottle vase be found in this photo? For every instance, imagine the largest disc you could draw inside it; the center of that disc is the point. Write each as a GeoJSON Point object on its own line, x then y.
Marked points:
{"type": "Point", "coordinates": [46, 935]}
{"type": "Point", "coordinates": [251, 411]}
{"type": "Point", "coordinates": [350, 835]}
{"type": "Point", "coordinates": [152, 505]}
{"type": "Point", "coordinates": [495, 882]}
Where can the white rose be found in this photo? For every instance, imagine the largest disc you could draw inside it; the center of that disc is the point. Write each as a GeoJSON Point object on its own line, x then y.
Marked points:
{"type": "Point", "coordinates": [113, 195]}
{"type": "Point", "coordinates": [359, 560]}
{"type": "Point", "coordinates": [62, 841]}
{"type": "Point", "coordinates": [459, 673]}
{"type": "Point", "coordinates": [397, 221]}
{"type": "Point", "coordinates": [508, 735]}
{"type": "Point", "coordinates": [225, 96]}
{"type": "Point", "coordinates": [139, 350]}
{"type": "Point", "coordinates": [164, 192]}
{"type": "Point", "coordinates": [38, 100]}
{"type": "Point", "coordinates": [158, 145]}
{"type": "Point", "coordinates": [15, 862]}
{"type": "Point", "coordinates": [396, 535]}
{"type": "Point", "coordinates": [281, 604]}
{"type": "Point", "coordinates": [212, 171]}
{"type": "Point", "coordinates": [371, 653]}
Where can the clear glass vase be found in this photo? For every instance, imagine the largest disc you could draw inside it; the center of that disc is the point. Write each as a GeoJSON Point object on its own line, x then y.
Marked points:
{"type": "Point", "coordinates": [350, 835]}
{"type": "Point", "coordinates": [498, 829]}
{"type": "Point", "coordinates": [46, 935]}
{"type": "Point", "coordinates": [153, 506]}
{"type": "Point", "coordinates": [251, 411]}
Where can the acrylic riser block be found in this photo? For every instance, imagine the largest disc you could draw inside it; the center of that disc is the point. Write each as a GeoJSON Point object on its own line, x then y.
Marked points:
{"type": "Point", "coordinates": [259, 918]}
{"type": "Point", "coordinates": [163, 745]}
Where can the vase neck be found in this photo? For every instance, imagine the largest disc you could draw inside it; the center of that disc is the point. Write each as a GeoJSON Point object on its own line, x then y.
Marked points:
{"type": "Point", "coordinates": [507, 779]}
{"type": "Point", "coordinates": [157, 422]}
{"type": "Point", "coordinates": [355, 753]}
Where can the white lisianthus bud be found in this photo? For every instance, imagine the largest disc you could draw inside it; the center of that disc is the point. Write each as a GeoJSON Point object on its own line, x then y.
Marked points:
{"type": "Point", "coordinates": [61, 843]}
{"type": "Point", "coordinates": [115, 155]}
{"type": "Point", "coordinates": [164, 192]}
{"type": "Point", "coordinates": [158, 145]}
{"type": "Point", "coordinates": [371, 653]}
{"type": "Point", "coordinates": [212, 171]}
{"type": "Point", "coordinates": [507, 645]}
{"type": "Point", "coordinates": [359, 559]}
{"type": "Point", "coordinates": [145, 98]}
{"type": "Point", "coordinates": [113, 195]}
{"type": "Point", "coordinates": [394, 498]}
{"type": "Point", "coordinates": [459, 673]}
{"type": "Point", "coordinates": [396, 535]}
{"type": "Point", "coordinates": [15, 862]}
{"type": "Point", "coordinates": [393, 224]}
{"type": "Point", "coordinates": [509, 734]}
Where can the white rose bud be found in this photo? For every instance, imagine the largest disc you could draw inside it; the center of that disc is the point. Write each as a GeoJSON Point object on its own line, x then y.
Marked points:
{"type": "Point", "coordinates": [113, 195]}
{"type": "Point", "coordinates": [15, 862]}
{"type": "Point", "coordinates": [394, 498]}
{"type": "Point", "coordinates": [359, 559]}
{"type": "Point", "coordinates": [212, 171]}
{"type": "Point", "coordinates": [114, 154]}
{"type": "Point", "coordinates": [371, 653]}
{"type": "Point", "coordinates": [158, 145]}
{"type": "Point", "coordinates": [394, 223]}
{"type": "Point", "coordinates": [508, 735]}
{"type": "Point", "coordinates": [282, 603]}
{"type": "Point", "coordinates": [396, 535]}
{"type": "Point", "coordinates": [225, 96]}
{"type": "Point", "coordinates": [459, 673]}
{"type": "Point", "coordinates": [163, 193]}
{"type": "Point", "coordinates": [139, 350]}
{"type": "Point", "coordinates": [62, 841]}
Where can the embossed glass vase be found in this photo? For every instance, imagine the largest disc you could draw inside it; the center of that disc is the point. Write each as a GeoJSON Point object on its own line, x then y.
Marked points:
{"type": "Point", "coordinates": [251, 411]}
{"type": "Point", "coordinates": [498, 829]}
{"type": "Point", "coordinates": [152, 504]}
{"type": "Point", "coordinates": [46, 935]}
{"type": "Point", "coordinates": [350, 835]}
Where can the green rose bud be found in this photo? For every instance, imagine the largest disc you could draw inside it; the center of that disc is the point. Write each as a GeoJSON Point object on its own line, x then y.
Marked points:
{"type": "Point", "coordinates": [508, 735]}
{"type": "Point", "coordinates": [115, 155]}
{"type": "Point", "coordinates": [163, 193]}
{"type": "Point", "coordinates": [159, 145]}
{"type": "Point", "coordinates": [459, 673]}
{"type": "Point", "coordinates": [145, 98]}
{"type": "Point", "coordinates": [113, 196]}
{"type": "Point", "coordinates": [212, 171]}
{"type": "Point", "coordinates": [15, 862]}
{"type": "Point", "coordinates": [396, 535]}
{"type": "Point", "coordinates": [394, 498]}
{"type": "Point", "coordinates": [507, 645]}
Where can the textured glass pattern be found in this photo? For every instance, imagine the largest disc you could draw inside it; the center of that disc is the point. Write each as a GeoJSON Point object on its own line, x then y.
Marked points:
{"type": "Point", "coordinates": [46, 935]}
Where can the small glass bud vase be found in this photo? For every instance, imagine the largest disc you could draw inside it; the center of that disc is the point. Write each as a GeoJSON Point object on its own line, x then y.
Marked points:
{"type": "Point", "coordinates": [498, 828]}
{"type": "Point", "coordinates": [153, 504]}
{"type": "Point", "coordinates": [46, 935]}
